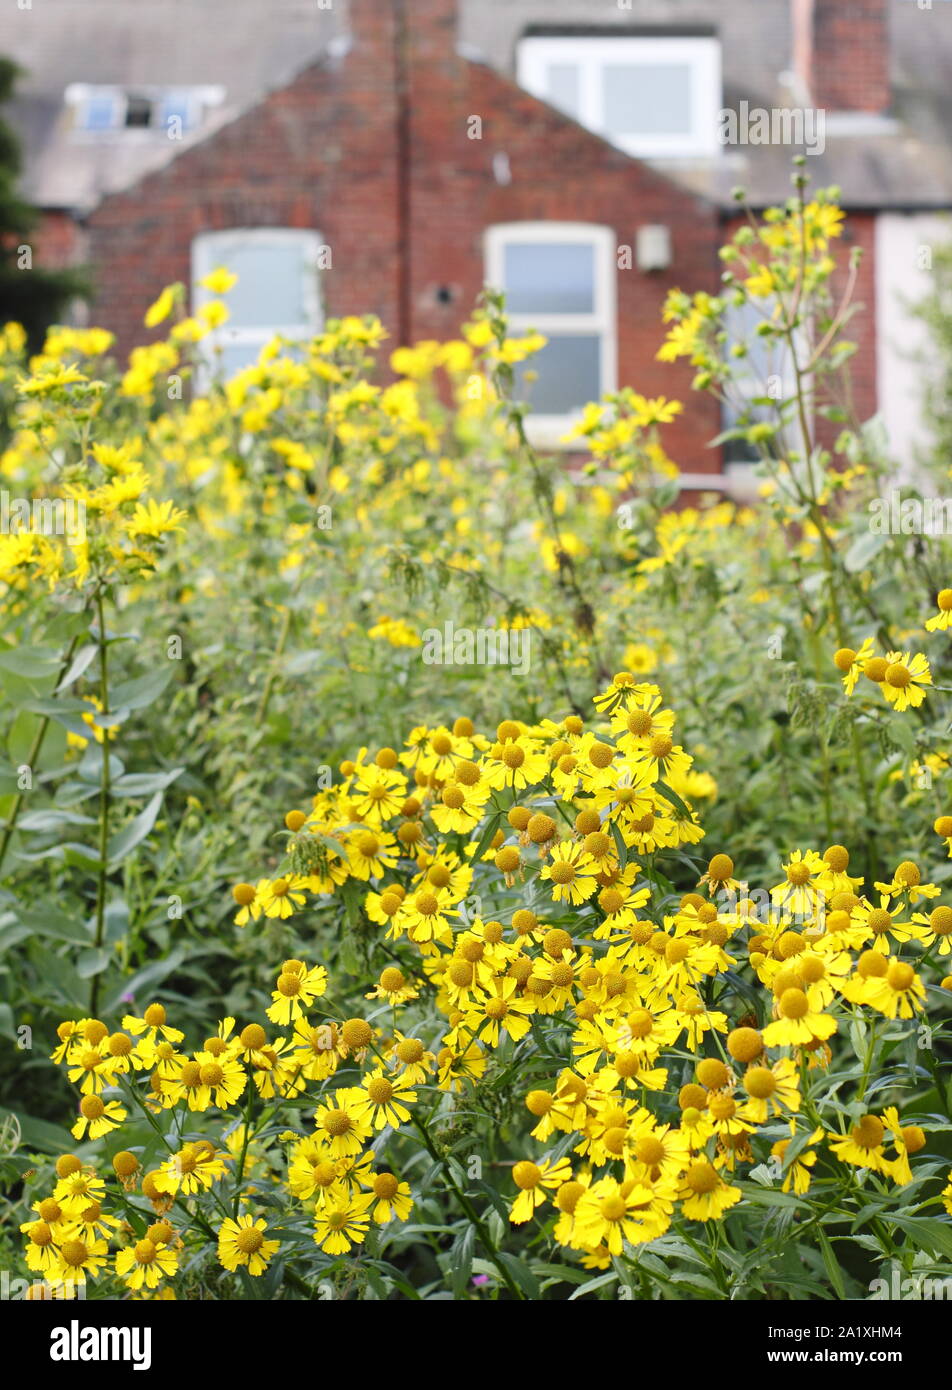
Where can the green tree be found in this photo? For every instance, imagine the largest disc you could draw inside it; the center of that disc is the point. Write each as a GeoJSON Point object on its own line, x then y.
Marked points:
{"type": "Point", "coordinates": [33, 297]}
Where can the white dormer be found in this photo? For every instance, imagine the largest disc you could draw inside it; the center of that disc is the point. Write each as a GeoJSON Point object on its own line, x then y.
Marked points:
{"type": "Point", "coordinates": [97, 109]}
{"type": "Point", "coordinates": [656, 98]}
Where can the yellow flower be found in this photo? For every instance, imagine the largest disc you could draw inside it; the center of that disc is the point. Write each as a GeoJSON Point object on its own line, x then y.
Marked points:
{"type": "Point", "coordinates": [242, 1244]}
{"type": "Point", "coordinates": [905, 679]}
{"type": "Point", "coordinates": [219, 281]}
{"type": "Point", "coordinates": [155, 519]}
{"type": "Point", "coordinates": [144, 1264]}
{"type": "Point", "coordinates": [533, 1180]}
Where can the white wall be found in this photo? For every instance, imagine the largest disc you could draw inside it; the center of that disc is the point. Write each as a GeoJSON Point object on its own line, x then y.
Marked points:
{"type": "Point", "coordinates": [903, 244]}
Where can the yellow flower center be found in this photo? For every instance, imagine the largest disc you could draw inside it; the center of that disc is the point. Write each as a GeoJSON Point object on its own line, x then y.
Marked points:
{"type": "Point", "coordinates": [898, 675]}
{"type": "Point", "coordinates": [337, 1122]}
{"type": "Point", "coordinates": [702, 1178]}
{"type": "Point", "coordinates": [613, 1208]}
{"type": "Point", "coordinates": [527, 1175]}
{"type": "Point", "coordinates": [760, 1083]}
{"type": "Point", "coordinates": [249, 1241]}
{"type": "Point", "coordinates": [74, 1253]}
{"type": "Point", "coordinates": [794, 1004]}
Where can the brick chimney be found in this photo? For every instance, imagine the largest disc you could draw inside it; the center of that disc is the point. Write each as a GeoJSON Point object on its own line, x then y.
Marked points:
{"type": "Point", "coordinates": [841, 53]}
{"type": "Point", "coordinates": [432, 24]}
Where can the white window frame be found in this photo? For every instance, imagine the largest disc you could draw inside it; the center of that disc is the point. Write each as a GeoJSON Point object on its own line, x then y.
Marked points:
{"type": "Point", "coordinates": [593, 55]}
{"type": "Point", "coordinates": [207, 249]}
{"type": "Point", "coordinates": [548, 430]}
{"type": "Point", "coordinates": [79, 95]}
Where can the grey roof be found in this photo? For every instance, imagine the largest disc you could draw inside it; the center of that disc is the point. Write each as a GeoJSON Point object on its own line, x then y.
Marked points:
{"type": "Point", "coordinates": [249, 47]}
{"type": "Point", "coordinates": [246, 46]}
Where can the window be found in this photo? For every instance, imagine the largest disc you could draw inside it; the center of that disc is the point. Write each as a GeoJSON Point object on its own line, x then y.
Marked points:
{"type": "Point", "coordinates": [181, 106]}
{"type": "Point", "coordinates": [277, 291]}
{"type": "Point", "coordinates": [653, 97]}
{"type": "Point", "coordinates": [104, 110]}
{"type": "Point", "coordinates": [762, 380]}
{"type": "Point", "coordinates": [97, 108]}
{"type": "Point", "coordinates": [559, 279]}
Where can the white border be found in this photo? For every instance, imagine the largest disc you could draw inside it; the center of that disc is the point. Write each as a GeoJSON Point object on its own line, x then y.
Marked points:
{"type": "Point", "coordinates": [548, 430]}
{"type": "Point", "coordinates": [592, 55]}
{"type": "Point", "coordinates": [210, 250]}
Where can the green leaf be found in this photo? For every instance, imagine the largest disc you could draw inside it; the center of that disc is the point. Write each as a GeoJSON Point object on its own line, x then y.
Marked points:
{"type": "Point", "coordinates": [829, 1260]}
{"type": "Point", "coordinates": [461, 1259]}
{"type": "Point", "coordinates": [78, 665]}
{"type": "Point", "coordinates": [673, 797]}
{"type": "Point", "coordinates": [144, 783]}
{"type": "Point", "coordinates": [766, 1196]}
{"type": "Point", "coordinates": [32, 663]}
{"type": "Point", "coordinates": [485, 839]}
{"type": "Point", "coordinates": [92, 961]}
{"type": "Point", "coordinates": [521, 1275]}
{"type": "Point", "coordinates": [928, 1234]}
{"type": "Point", "coordinates": [140, 692]}
{"type": "Point", "coordinates": [53, 820]}
{"type": "Point", "coordinates": [38, 1134]}
{"type": "Point", "coordinates": [135, 832]}
{"type": "Point", "coordinates": [863, 551]}
{"type": "Point", "coordinates": [620, 845]}
{"type": "Point", "coordinates": [593, 1284]}
{"type": "Point", "coordinates": [50, 922]}
{"type": "Point", "coordinates": [146, 978]}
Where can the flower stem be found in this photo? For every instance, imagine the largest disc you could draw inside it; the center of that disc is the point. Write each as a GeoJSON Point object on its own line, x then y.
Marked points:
{"type": "Point", "coordinates": [104, 796]}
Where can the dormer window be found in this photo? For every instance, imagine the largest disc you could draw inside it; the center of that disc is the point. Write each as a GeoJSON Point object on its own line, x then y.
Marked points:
{"type": "Point", "coordinates": [108, 110]}
{"type": "Point", "coordinates": [654, 97]}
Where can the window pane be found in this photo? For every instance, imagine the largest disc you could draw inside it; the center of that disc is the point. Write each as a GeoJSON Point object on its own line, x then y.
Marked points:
{"type": "Point", "coordinates": [177, 105]}
{"type": "Point", "coordinates": [232, 358]}
{"type": "Point", "coordinates": [99, 113]}
{"type": "Point", "coordinates": [562, 86]}
{"type": "Point", "coordinates": [648, 99]}
{"type": "Point", "coordinates": [271, 283]}
{"type": "Point", "coordinates": [139, 111]}
{"type": "Point", "coordinates": [549, 277]}
{"type": "Point", "coordinates": [569, 375]}
{"type": "Point", "coordinates": [768, 361]}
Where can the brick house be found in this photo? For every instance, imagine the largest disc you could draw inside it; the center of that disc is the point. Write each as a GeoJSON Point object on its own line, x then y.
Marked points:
{"type": "Point", "coordinates": [392, 156]}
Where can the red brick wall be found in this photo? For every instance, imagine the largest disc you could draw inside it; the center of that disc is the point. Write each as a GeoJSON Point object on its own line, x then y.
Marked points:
{"type": "Point", "coordinates": [851, 55]}
{"type": "Point", "coordinates": [558, 172]}
{"type": "Point", "coordinates": [319, 153]}
{"type": "Point", "coordinates": [57, 241]}
{"type": "Point", "coordinates": [330, 152]}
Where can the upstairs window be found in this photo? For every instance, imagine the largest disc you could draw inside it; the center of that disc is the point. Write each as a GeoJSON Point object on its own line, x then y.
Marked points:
{"type": "Point", "coordinates": [98, 108]}
{"type": "Point", "coordinates": [558, 279]}
{"type": "Point", "coordinates": [107, 110]}
{"type": "Point", "coordinates": [652, 97]}
{"type": "Point", "coordinates": [277, 292]}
